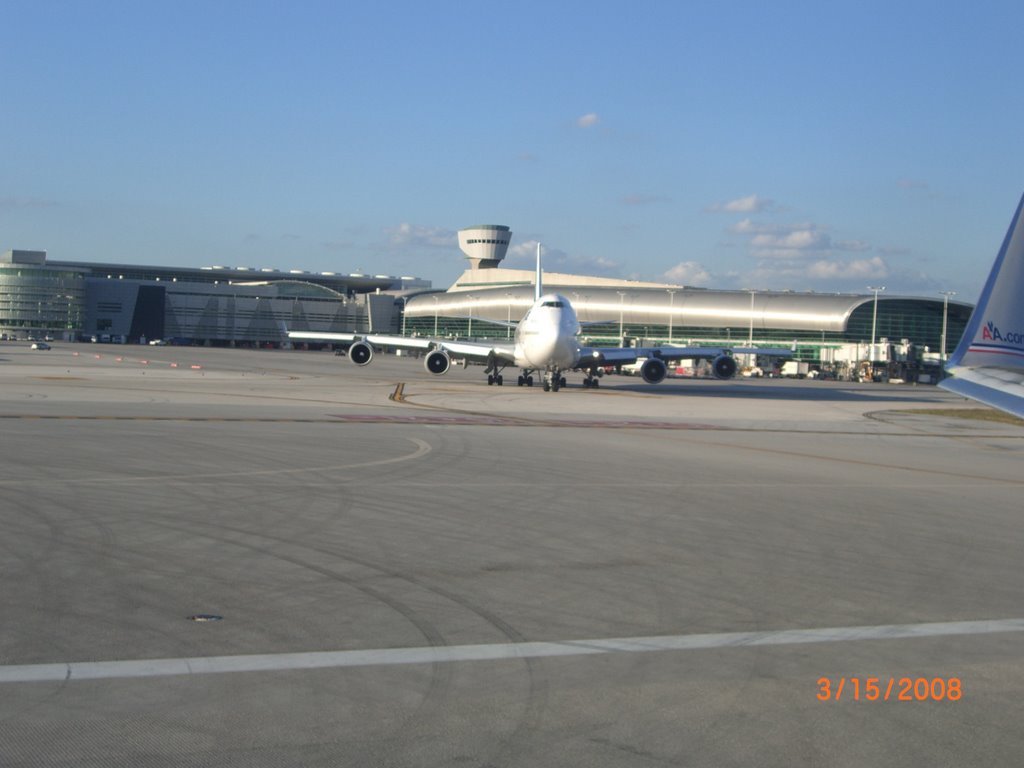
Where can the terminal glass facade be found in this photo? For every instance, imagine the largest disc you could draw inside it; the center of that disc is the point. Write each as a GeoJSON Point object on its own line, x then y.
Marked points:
{"type": "Point", "coordinates": [40, 300]}
{"type": "Point", "coordinates": [919, 321]}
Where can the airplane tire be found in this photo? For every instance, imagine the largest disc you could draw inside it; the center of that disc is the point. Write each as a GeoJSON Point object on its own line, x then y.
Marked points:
{"type": "Point", "coordinates": [561, 381]}
{"type": "Point", "coordinates": [490, 380]}
{"type": "Point", "coordinates": [499, 379]}
{"type": "Point", "coordinates": [547, 387]}
{"type": "Point", "coordinates": [521, 381]}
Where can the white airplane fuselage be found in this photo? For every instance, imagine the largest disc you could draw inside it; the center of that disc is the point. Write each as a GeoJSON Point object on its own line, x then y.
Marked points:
{"type": "Point", "coordinates": [546, 338]}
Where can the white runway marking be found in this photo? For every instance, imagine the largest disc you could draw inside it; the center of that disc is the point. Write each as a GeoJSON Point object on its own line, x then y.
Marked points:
{"type": "Point", "coordinates": [102, 670]}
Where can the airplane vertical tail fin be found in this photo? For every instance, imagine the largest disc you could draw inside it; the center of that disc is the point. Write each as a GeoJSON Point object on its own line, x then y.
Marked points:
{"type": "Point", "coordinates": [995, 333]}
{"type": "Point", "coordinates": [538, 287]}
{"type": "Point", "coordinates": [988, 363]}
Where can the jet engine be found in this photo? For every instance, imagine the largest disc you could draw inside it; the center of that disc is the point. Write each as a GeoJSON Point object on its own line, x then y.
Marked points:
{"type": "Point", "coordinates": [360, 353]}
{"type": "Point", "coordinates": [437, 362]}
{"type": "Point", "coordinates": [724, 367]}
{"type": "Point", "coordinates": [653, 370]}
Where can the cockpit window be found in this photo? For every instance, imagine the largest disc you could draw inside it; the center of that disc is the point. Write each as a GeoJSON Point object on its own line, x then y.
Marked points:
{"type": "Point", "coordinates": [557, 304]}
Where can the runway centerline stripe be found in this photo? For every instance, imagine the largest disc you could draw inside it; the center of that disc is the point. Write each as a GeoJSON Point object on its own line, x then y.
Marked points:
{"type": "Point", "coordinates": [105, 670]}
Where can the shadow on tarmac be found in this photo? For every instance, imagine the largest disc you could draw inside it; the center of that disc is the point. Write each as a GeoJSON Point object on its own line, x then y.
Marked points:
{"type": "Point", "coordinates": [816, 391]}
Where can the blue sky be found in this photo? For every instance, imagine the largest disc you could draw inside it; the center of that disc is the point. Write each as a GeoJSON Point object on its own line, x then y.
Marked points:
{"type": "Point", "coordinates": [816, 145]}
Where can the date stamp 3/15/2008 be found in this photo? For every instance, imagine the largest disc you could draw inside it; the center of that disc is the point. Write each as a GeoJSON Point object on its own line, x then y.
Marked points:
{"type": "Point", "coordinates": [894, 688]}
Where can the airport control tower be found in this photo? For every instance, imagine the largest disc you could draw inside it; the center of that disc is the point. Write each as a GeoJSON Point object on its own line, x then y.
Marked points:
{"type": "Point", "coordinates": [484, 245]}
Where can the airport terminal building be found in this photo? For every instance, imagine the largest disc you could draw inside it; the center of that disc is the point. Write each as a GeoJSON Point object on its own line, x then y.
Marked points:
{"type": "Point", "coordinates": [227, 306]}
{"type": "Point", "coordinates": [214, 305]}
{"type": "Point", "coordinates": [821, 328]}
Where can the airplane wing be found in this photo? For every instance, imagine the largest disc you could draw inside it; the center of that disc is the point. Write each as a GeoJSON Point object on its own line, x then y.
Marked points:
{"type": "Point", "coordinates": [411, 342]}
{"type": "Point", "coordinates": [709, 353]}
{"type": "Point", "coordinates": [627, 355]}
{"type": "Point", "coordinates": [477, 351]}
{"type": "Point", "coordinates": [988, 363]}
{"type": "Point", "coordinates": [997, 387]}
{"type": "Point", "coordinates": [655, 368]}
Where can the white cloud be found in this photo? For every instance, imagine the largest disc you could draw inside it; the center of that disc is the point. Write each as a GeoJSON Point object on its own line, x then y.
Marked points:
{"type": "Point", "coordinates": [804, 255]}
{"type": "Point", "coordinates": [413, 235]}
{"type": "Point", "coordinates": [820, 274]}
{"type": "Point", "coordinates": [588, 120]}
{"type": "Point", "coordinates": [750, 227]}
{"type": "Point", "coordinates": [688, 273]}
{"type": "Point", "coordinates": [749, 204]}
{"type": "Point", "coordinates": [524, 256]}
{"type": "Point", "coordinates": [793, 242]}
{"type": "Point", "coordinates": [856, 269]}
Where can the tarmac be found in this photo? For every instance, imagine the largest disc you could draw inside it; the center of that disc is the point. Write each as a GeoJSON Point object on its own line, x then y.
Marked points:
{"type": "Point", "coordinates": [264, 558]}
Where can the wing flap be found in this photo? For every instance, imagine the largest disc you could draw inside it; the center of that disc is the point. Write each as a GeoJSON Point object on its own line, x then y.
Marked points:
{"type": "Point", "coordinates": [322, 336]}
{"type": "Point", "coordinates": [400, 342]}
{"type": "Point", "coordinates": [475, 351]}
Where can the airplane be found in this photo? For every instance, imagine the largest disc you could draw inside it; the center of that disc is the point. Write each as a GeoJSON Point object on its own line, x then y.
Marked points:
{"type": "Point", "coordinates": [988, 363]}
{"type": "Point", "coordinates": [546, 343]}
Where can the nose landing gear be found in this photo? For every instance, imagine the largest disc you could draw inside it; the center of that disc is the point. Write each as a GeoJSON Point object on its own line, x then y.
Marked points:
{"type": "Point", "coordinates": [553, 381]}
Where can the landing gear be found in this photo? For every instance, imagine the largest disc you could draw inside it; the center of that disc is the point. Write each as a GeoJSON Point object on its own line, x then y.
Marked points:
{"type": "Point", "coordinates": [592, 379]}
{"type": "Point", "coordinates": [553, 381]}
{"type": "Point", "coordinates": [525, 378]}
{"type": "Point", "coordinates": [493, 371]}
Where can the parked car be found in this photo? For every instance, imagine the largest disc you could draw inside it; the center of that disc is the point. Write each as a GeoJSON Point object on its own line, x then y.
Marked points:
{"type": "Point", "coordinates": [41, 345]}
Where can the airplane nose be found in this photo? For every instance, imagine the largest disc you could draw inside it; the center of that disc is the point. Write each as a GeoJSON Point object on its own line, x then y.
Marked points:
{"type": "Point", "coordinates": [543, 347]}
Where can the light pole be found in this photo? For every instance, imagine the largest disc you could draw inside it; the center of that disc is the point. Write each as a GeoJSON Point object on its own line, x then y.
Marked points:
{"type": "Point", "coordinates": [622, 309]}
{"type": "Point", "coordinates": [435, 315]}
{"type": "Point", "coordinates": [469, 330]}
{"type": "Point", "coordinates": [671, 307]}
{"type": "Point", "coordinates": [750, 335]}
{"type": "Point", "coordinates": [874, 318]}
{"type": "Point", "coordinates": [508, 328]}
{"type": "Point", "coordinates": [945, 314]}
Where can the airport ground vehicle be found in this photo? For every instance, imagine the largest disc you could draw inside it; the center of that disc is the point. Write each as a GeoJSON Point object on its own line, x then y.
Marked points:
{"type": "Point", "coordinates": [795, 368]}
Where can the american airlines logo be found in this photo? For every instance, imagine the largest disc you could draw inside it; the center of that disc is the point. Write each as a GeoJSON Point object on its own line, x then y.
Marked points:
{"type": "Point", "coordinates": [992, 333]}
